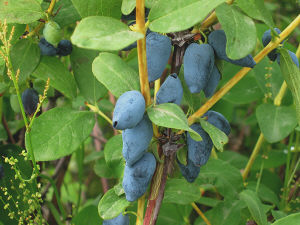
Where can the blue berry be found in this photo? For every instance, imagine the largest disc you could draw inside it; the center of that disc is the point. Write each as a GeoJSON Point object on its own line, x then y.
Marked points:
{"type": "Point", "coordinates": [30, 100]}
{"type": "Point", "coordinates": [212, 83]}
{"type": "Point", "coordinates": [190, 172]}
{"type": "Point", "coordinates": [137, 178]}
{"type": "Point", "coordinates": [199, 151]}
{"type": "Point", "coordinates": [47, 48]}
{"type": "Point", "coordinates": [217, 39]}
{"type": "Point", "coordinates": [129, 110]}
{"type": "Point", "coordinates": [198, 64]}
{"type": "Point", "coordinates": [64, 48]}
{"type": "Point", "coordinates": [171, 91]}
{"type": "Point", "coordinates": [218, 120]}
{"type": "Point", "coordinates": [136, 140]}
{"type": "Point", "coordinates": [158, 50]}
{"type": "Point", "coordinates": [267, 37]}
{"type": "Point", "coordinates": [119, 220]}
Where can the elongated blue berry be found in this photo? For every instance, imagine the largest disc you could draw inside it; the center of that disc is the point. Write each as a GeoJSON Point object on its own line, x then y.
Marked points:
{"type": "Point", "coordinates": [198, 64]}
{"type": "Point", "coordinates": [217, 39]}
{"type": "Point", "coordinates": [30, 100]}
{"type": "Point", "coordinates": [218, 120]}
{"type": "Point", "coordinates": [47, 48]}
{"type": "Point", "coordinates": [129, 110]}
{"type": "Point", "coordinates": [158, 50]}
{"type": "Point", "coordinates": [199, 151]}
{"type": "Point", "coordinates": [212, 83]}
{"type": "Point", "coordinates": [267, 37]}
{"type": "Point", "coordinates": [293, 56]}
{"type": "Point", "coordinates": [190, 172]}
{"type": "Point", "coordinates": [136, 140]}
{"type": "Point", "coordinates": [137, 178]}
{"type": "Point", "coordinates": [171, 91]}
{"type": "Point", "coordinates": [119, 220]}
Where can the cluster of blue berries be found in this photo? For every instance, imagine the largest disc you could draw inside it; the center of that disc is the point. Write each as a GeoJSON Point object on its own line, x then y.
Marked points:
{"type": "Point", "coordinates": [274, 55]}
{"type": "Point", "coordinates": [64, 48]}
{"type": "Point", "coordinates": [129, 116]}
{"type": "Point", "coordinates": [200, 70]}
{"type": "Point", "coordinates": [52, 38]}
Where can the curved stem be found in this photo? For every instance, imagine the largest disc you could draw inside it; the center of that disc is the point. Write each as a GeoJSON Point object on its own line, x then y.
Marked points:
{"type": "Point", "coordinates": [200, 213]}
{"type": "Point", "coordinates": [233, 81]}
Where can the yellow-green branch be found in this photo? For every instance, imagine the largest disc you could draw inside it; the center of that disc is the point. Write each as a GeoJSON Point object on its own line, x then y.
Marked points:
{"type": "Point", "coordinates": [141, 49]}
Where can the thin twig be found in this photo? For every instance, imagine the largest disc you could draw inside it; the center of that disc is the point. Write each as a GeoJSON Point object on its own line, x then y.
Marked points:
{"type": "Point", "coordinates": [6, 127]}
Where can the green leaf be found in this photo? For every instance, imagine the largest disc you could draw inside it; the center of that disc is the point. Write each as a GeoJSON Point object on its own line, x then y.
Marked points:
{"type": "Point", "coordinates": [174, 214]}
{"type": "Point", "coordinates": [150, 3]}
{"type": "Point", "coordinates": [89, 86]}
{"type": "Point", "coordinates": [128, 6]}
{"type": "Point", "coordinates": [274, 160]}
{"type": "Point", "coordinates": [87, 215]}
{"type": "Point", "coordinates": [240, 31]}
{"type": "Point", "coordinates": [176, 15]}
{"type": "Point", "coordinates": [272, 82]}
{"type": "Point", "coordinates": [25, 55]}
{"type": "Point", "coordinates": [245, 91]}
{"type": "Point", "coordinates": [255, 206]}
{"type": "Point", "coordinates": [103, 170]}
{"type": "Point", "coordinates": [218, 137]}
{"type": "Point", "coordinates": [257, 10]}
{"type": "Point", "coordinates": [20, 11]}
{"type": "Point", "coordinates": [60, 78]}
{"type": "Point", "coordinates": [291, 74]}
{"type": "Point", "coordinates": [179, 187]}
{"type": "Point", "coordinates": [104, 34]}
{"type": "Point", "coordinates": [109, 8]}
{"type": "Point", "coordinates": [67, 13]}
{"type": "Point", "coordinates": [275, 122]}
{"type": "Point", "coordinates": [111, 205]}
{"type": "Point", "coordinates": [87, 7]}
{"type": "Point", "coordinates": [59, 132]}
{"type": "Point", "coordinates": [226, 178]}
{"type": "Point", "coordinates": [115, 74]}
{"type": "Point", "coordinates": [113, 150]}
{"type": "Point", "coordinates": [171, 115]}
{"type": "Point", "coordinates": [264, 193]}
{"type": "Point", "coordinates": [288, 220]}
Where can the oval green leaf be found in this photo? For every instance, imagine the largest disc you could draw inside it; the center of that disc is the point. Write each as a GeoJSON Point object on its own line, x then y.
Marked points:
{"type": "Point", "coordinates": [177, 15]}
{"type": "Point", "coordinates": [276, 122]}
{"type": "Point", "coordinates": [59, 132]}
{"type": "Point", "coordinates": [257, 10]}
{"type": "Point", "coordinates": [60, 78]}
{"type": "Point", "coordinates": [89, 86]}
{"type": "Point", "coordinates": [115, 74]}
{"type": "Point", "coordinates": [25, 55]}
{"type": "Point", "coordinates": [218, 137]}
{"type": "Point", "coordinates": [291, 75]}
{"type": "Point", "coordinates": [288, 220]}
{"type": "Point", "coordinates": [240, 31]}
{"type": "Point", "coordinates": [171, 115]}
{"type": "Point", "coordinates": [20, 11]}
{"type": "Point", "coordinates": [104, 34]}
{"type": "Point", "coordinates": [255, 206]}
{"type": "Point", "coordinates": [111, 205]}
{"type": "Point", "coordinates": [128, 6]}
